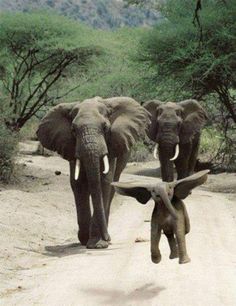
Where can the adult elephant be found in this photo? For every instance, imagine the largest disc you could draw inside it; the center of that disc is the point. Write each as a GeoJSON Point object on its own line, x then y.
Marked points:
{"type": "Point", "coordinates": [98, 133]}
{"type": "Point", "coordinates": [176, 128]}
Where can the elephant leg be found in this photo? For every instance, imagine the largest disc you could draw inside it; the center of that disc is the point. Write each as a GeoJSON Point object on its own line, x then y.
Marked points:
{"type": "Point", "coordinates": [182, 162]}
{"type": "Point", "coordinates": [116, 167]}
{"type": "Point", "coordinates": [180, 236]}
{"type": "Point", "coordinates": [120, 165]}
{"type": "Point", "coordinates": [186, 219]}
{"type": "Point", "coordinates": [81, 195]}
{"type": "Point", "coordinates": [172, 244]}
{"type": "Point", "coordinates": [155, 238]}
{"type": "Point", "coordinates": [194, 154]}
{"type": "Point", "coordinates": [107, 189]}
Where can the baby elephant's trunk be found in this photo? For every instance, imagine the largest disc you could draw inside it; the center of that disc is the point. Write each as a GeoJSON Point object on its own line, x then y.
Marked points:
{"type": "Point", "coordinates": [165, 196]}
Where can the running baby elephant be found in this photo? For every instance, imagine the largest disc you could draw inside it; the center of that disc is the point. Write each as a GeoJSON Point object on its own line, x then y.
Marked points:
{"type": "Point", "coordinates": [169, 214]}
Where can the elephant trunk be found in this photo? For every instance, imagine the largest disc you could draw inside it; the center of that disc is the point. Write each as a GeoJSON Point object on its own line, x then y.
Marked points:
{"type": "Point", "coordinates": [165, 198]}
{"type": "Point", "coordinates": [93, 172]}
{"type": "Point", "coordinates": [167, 166]}
{"type": "Point", "coordinates": [92, 151]}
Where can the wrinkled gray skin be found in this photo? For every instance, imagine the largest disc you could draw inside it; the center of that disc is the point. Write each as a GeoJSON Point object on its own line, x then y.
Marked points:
{"type": "Point", "coordinates": [172, 124]}
{"type": "Point", "coordinates": [169, 214]}
{"type": "Point", "coordinates": [87, 132]}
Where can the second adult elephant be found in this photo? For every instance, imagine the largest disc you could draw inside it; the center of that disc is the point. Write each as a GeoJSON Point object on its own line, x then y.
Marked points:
{"type": "Point", "coordinates": [176, 128]}
{"type": "Point", "coordinates": [99, 133]}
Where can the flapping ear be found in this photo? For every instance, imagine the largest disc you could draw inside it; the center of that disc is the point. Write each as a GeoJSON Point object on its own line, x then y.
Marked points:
{"type": "Point", "coordinates": [135, 190]}
{"type": "Point", "coordinates": [194, 118]}
{"type": "Point", "coordinates": [128, 122]}
{"type": "Point", "coordinates": [183, 187]}
{"type": "Point", "coordinates": [151, 106]}
{"type": "Point", "coordinates": [54, 131]}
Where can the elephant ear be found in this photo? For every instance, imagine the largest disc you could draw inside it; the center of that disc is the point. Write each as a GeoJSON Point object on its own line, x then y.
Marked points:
{"type": "Point", "coordinates": [54, 131]}
{"type": "Point", "coordinates": [194, 119]}
{"type": "Point", "coordinates": [141, 192]}
{"type": "Point", "coordinates": [182, 188]}
{"type": "Point", "coordinates": [151, 106]}
{"type": "Point", "coordinates": [128, 122]}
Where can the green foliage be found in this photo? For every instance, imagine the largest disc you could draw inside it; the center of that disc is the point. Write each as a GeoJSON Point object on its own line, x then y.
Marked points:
{"type": "Point", "coordinates": [115, 73]}
{"type": "Point", "coordinates": [37, 52]}
{"type": "Point", "coordinates": [8, 145]}
{"type": "Point", "coordinates": [193, 65]}
{"type": "Point", "coordinates": [140, 153]}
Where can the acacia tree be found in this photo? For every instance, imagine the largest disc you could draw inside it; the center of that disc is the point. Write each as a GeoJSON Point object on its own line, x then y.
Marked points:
{"type": "Point", "coordinates": [38, 53]}
{"type": "Point", "coordinates": [174, 53]}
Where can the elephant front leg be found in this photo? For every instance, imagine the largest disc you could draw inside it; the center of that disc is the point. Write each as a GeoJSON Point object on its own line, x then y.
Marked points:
{"type": "Point", "coordinates": [107, 189]}
{"type": "Point", "coordinates": [180, 236]}
{"type": "Point", "coordinates": [155, 238]}
{"type": "Point", "coordinates": [81, 195]}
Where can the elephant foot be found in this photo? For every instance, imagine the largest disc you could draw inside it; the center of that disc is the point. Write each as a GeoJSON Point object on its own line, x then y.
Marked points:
{"type": "Point", "coordinates": [174, 255]}
{"type": "Point", "coordinates": [97, 243]}
{"type": "Point", "coordinates": [83, 237]}
{"type": "Point", "coordinates": [184, 259]}
{"type": "Point", "coordinates": [156, 258]}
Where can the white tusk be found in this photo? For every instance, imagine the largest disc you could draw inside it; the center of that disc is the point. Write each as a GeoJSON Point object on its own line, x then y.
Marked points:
{"type": "Point", "coordinates": [155, 151]}
{"type": "Point", "coordinates": [176, 152]}
{"type": "Point", "coordinates": [77, 169]}
{"type": "Point", "coordinates": [106, 164]}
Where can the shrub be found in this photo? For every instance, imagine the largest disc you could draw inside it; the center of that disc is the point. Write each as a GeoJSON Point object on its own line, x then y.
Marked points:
{"type": "Point", "coordinates": [8, 148]}
{"type": "Point", "coordinates": [140, 152]}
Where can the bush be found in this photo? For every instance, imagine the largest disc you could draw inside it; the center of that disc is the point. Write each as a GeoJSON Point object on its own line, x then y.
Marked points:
{"type": "Point", "coordinates": [8, 145]}
{"type": "Point", "coordinates": [141, 152]}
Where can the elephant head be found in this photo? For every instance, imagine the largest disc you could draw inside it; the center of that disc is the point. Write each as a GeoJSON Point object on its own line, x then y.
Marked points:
{"type": "Point", "coordinates": [162, 191]}
{"type": "Point", "coordinates": [173, 125]}
{"type": "Point", "coordinates": [90, 132]}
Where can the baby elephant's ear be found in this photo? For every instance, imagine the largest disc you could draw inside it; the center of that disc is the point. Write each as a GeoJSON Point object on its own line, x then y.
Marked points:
{"type": "Point", "coordinates": [135, 190]}
{"type": "Point", "coordinates": [183, 187]}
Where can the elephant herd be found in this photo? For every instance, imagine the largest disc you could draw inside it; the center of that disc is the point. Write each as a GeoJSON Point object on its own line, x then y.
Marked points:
{"type": "Point", "coordinates": [96, 137]}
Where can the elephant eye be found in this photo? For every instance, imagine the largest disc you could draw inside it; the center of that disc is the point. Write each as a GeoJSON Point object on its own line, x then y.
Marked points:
{"type": "Point", "coordinates": [179, 112]}
{"type": "Point", "coordinates": [159, 111]}
{"type": "Point", "coordinates": [106, 127]}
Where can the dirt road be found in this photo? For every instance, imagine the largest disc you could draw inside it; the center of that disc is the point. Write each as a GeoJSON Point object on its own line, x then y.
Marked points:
{"type": "Point", "coordinates": [42, 263]}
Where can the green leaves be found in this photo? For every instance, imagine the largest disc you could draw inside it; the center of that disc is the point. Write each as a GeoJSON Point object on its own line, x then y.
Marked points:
{"type": "Point", "coordinates": [37, 51]}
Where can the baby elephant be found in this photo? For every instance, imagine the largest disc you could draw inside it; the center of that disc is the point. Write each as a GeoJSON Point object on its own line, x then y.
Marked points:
{"type": "Point", "coordinates": [169, 214]}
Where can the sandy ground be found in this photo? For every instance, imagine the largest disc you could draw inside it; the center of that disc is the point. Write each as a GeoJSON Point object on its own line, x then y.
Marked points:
{"type": "Point", "coordinates": [41, 262]}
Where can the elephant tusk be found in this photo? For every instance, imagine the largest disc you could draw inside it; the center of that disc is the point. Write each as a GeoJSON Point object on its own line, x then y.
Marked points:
{"type": "Point", "coordinates": [77, 169]}
{"type": "Point", "coordinates": [106, 164]}
{"type": "Point", "coordinates": [155, 151]}
{"type": "Point", "coordinates": [176, 152]}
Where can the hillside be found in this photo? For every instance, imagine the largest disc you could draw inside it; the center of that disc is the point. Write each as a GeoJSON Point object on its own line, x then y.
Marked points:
{"type": "Point", "coordinates": [103, 14]}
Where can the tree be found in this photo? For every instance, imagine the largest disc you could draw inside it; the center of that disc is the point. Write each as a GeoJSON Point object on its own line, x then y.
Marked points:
{"type": "Point", "coordinates": [201, 67]}
{"type": "Point", "coordinates": [38, 53]}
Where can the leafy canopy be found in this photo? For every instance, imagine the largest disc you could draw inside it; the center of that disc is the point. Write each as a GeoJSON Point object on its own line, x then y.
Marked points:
{"type": "Point", "coordinates": [191, 63]}
{"type": "Point", "coordinates": [37, 52]}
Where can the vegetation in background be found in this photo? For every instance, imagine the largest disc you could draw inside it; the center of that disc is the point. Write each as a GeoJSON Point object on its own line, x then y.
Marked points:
{"type": "Point", "coordinates": [180, 62]}
{"type": "Point", "coordinates": [8, 149]}
{"type": "Point", "coordinates": [37, 53]}
{"type": "Point", "coordinates": [46, 59]}
{"type": "Point", "coordinates": [115, 73]}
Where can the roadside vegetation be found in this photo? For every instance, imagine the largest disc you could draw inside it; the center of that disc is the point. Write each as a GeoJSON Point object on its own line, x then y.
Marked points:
{"type": "Point", "coordinates": [46, 59]}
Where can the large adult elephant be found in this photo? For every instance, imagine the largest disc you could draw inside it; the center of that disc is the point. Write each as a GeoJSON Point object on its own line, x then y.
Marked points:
{"type": "Point", "coordinates": [176, 128]}
{"type": "Point", "coordinates": [97, 134]}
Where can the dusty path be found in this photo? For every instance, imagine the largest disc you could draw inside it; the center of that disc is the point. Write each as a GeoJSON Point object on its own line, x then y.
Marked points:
{"type": "Point", "coordinates": [56, 271]}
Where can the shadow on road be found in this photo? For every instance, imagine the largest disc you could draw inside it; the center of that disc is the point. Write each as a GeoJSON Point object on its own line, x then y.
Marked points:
{"type": "Point", "coordinates": [64, 250]}
{"type": "Point", "coordinates": [119, 297]}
